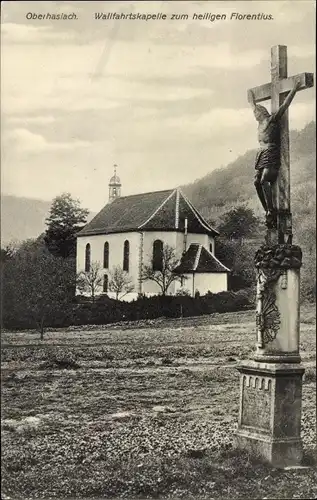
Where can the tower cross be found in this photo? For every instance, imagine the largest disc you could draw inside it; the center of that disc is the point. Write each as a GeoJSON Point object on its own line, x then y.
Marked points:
{"type": "Point", "coordinates": [277, 91]}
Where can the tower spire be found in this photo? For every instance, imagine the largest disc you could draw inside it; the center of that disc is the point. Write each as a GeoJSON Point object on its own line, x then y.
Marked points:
{"type": "Point", "coordinates": [114, 185]}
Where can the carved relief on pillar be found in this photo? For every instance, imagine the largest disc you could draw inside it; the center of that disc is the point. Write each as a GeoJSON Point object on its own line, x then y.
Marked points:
{"type": "Point", "coordinates": [280, 256]}
{"type": "Point", "coordinates": [267, 314]}
{"type": "Point", "coordinates": [257, 382]}
{"type": "Point", "coordinates": [272, 262]}
{"type": "Point", "coordinates": [256, 403]}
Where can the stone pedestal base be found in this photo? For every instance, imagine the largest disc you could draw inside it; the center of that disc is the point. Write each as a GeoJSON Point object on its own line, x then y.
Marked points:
{"type": "Point", "coordinates": [270, 412]}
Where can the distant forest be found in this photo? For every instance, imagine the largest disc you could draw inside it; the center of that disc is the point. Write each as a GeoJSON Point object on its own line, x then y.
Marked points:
{"type": "Point", "coordinates": [224, 188]}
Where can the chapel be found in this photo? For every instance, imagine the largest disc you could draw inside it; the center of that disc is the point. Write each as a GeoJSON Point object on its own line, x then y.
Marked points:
{"type": "Point", "coordinates": [131, 231]}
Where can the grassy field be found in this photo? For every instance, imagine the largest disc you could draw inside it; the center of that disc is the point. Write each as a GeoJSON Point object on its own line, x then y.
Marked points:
{"type": "Point", "coordinates": [140, 412]}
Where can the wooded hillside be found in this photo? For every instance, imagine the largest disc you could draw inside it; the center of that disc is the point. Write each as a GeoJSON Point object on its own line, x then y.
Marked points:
{"type": "Point", "coordinates": [224, 188]}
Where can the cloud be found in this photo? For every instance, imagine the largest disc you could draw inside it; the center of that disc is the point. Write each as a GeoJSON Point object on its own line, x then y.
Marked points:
{"type": "Point", "coordinates": [13, 33]}
{"type": "Point", "coordinates": [214, 121]}
{"type": "Point", "coordinates": [301, 51]}
{"type": "Point", "coordinates": [301, 113]}
{"type": "Point", "coordinates": [165, 101]}
{"type": "Point", "coordinates": [26, 120]}
{"type": "Point", "coordinates": [161, 60]}
{"type": "Point", "coordinates": [56, 78]}
{"type": "Point", "coordinates": [24, 141]}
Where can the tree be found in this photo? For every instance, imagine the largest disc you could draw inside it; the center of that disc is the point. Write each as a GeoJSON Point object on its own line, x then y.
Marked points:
{"type": "Point", "coordinates": [239, 258]}
{"type": "Point", "coordinates": [239, 223]}
{"type": "Point", "coordinates": [38, 288]}
{"type": "Point", "coordinates": [90, 281]}
{"type": "Point", "coordinates": [7, 252]}
{"type": "Point", "coordinates": [65, 220]}
{"type": "Point", "coordinates": [165, 276]}
{"type": "Point", "coordinates": [305, 232]}
{"type": "Point", "coordinates": [120, 282]}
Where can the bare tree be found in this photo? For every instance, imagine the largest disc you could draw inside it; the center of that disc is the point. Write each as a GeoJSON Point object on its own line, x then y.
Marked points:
{"type": "Point", "coordinates": [120, 282]}
{"type": "Point", "coordinates": [164, 276]}
{"type": "Point", "coordinates": [91, 281]}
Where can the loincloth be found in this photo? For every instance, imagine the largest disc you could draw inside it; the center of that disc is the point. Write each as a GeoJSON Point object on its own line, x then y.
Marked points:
{"type": "Point", "coordinates": [268, 158]}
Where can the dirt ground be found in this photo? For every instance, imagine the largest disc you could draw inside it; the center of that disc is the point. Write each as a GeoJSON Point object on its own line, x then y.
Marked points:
{"type": "Point", "coordinates": [143, 412]}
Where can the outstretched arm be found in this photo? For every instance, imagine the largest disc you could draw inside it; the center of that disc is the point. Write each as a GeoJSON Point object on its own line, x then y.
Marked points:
{"type": "Point", "coordinates": [251, 99]}
{"type": "Point", "coordinates": [287, 102]}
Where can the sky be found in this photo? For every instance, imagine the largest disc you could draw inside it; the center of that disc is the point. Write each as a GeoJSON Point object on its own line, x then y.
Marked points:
{"type": "Point", "coordinates": [164, 99]}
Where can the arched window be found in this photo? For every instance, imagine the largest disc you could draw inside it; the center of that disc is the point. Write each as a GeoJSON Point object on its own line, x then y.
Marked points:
{"type": "Point", "coordinates": [211, 248]}
{"type": "Point", "coordinates": [106, 255]}
{"type": "Point", "coordinates": [105, 283]}
{"type": "Point", "coordinates": [126, 255]}
{"type": "Point", "coordinates": [157, 255]}
{"type": "Point", "coordinates": [87, 258]}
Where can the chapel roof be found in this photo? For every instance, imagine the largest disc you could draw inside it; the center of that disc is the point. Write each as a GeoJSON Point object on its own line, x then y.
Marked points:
{"type": "Point", "coordinates": [199, 260]}
{"type": "Point", "coordinates": [155, 211]}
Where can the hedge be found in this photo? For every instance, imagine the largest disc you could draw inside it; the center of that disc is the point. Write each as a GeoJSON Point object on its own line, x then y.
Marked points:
{"type": "Point", "coordinates": [105, 310]}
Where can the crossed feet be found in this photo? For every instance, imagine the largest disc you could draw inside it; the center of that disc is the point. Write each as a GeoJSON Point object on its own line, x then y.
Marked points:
{"type": "Point", "coordinates": [271, 219]}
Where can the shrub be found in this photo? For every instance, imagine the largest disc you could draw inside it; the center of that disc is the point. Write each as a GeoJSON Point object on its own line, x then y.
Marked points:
{"type": "Point", "coordinates": [105, 310]}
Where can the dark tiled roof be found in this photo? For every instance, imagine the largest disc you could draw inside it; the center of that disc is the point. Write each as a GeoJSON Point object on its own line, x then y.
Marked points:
{"type": "Point", "coordinates": [199, 260]}
{"type": "Point", "coordinates": [160, 210]}
{"type": "Point", "coordinates": [188, 259]}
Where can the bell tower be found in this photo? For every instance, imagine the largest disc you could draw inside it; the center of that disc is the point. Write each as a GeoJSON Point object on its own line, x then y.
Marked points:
{"type": "Point", "coordinates": [114, 186]}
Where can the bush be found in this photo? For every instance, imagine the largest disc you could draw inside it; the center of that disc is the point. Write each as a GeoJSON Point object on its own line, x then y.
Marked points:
{"type": "Point", "coordinates": [105, 310]}
{"type": "Point", "coordinates": [308, 277]}
{"type": "Point", "coordinates": [182, 292]}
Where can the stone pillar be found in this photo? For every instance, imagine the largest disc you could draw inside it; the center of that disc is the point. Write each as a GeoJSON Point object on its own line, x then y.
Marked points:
{"type": "Point", "coordinates": [270, 412]}
{"type": "Point", "coordinates": [271, 383]}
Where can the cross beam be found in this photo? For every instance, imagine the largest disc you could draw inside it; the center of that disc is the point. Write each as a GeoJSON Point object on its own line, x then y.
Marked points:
{"type": "Point", "coordinates": [277, 91]}
{"type": "Point", "coordinates": [264, 92]}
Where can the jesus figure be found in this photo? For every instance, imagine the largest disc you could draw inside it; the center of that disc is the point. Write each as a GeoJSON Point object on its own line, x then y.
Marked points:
{"type": "Point", "coordinates": [267, 160]}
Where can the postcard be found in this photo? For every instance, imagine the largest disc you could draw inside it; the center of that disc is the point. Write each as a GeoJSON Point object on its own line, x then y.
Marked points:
{"type": "Point", "coordinates": [158, 249]}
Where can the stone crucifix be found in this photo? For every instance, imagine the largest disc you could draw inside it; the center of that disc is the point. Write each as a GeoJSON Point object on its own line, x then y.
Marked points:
{"type": "Point", "coordinates": [271, 382]}
{"type": "Point", "coordinates": [272, 179]}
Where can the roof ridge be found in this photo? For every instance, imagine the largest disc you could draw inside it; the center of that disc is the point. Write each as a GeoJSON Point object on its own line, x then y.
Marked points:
{"type": "Point", "coordinates": [200, 218]}
{"type": "Point", "coordinates": [157, 210]}
{"type": "Point", "coordinates": [214, 257]}
{"type": "Point", "coordinates": [197, 258]}
{"type": "Point", "coordinates": [142, 194]}
{"type": "Point", "coordinates": [177, 209]}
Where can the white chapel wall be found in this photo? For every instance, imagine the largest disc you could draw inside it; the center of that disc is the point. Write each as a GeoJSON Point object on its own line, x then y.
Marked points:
{"type": "Point", "coordinates": [176, 241]}
{"type": "Point", "coordinates": [116, 243]}
{"type": "Point", "coordinates": [210, 282]}
{"type": "Point", "coordinates": [168, 238]}
{"type": "Point", "coordinates": [200, 239]}
{"type": "Point", "coordinates": [204, 282]}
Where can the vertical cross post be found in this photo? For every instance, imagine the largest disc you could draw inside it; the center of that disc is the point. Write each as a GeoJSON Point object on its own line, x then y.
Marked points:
{"type": "Point", "coordinates": [281, 187]}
